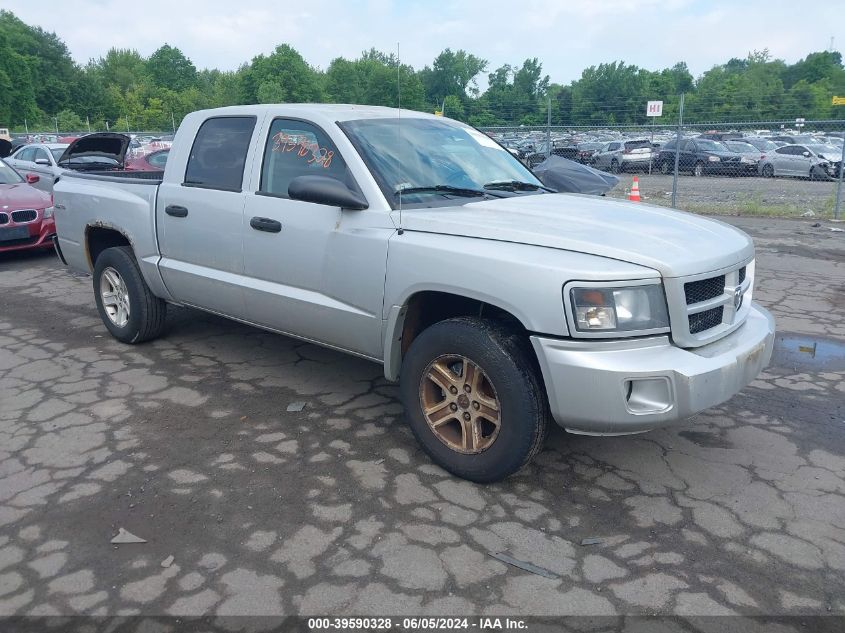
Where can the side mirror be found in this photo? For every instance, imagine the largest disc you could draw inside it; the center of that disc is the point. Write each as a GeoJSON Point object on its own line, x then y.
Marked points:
{"type": "Point", "coordinates": [325, 190]}
{"type": "Point", "coordinates": [32, 178]}
{"type": "Point", "coordinates": [806, 154]}
{"type": "Point", "coordinates": [42, 161]}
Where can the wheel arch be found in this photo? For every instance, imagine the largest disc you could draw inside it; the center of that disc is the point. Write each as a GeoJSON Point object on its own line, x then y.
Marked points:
{"type": "Point", "coordinates": [99, 237]}
{"type": "Point", "coordinates": [425, 307]}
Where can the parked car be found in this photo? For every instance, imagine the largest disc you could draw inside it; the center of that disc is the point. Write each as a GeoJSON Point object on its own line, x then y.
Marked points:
{"type": "Point", "coordinates": [41, 159]}
{"type": "Point", "coordinates": [496, 304]}
{"type": "Point", "coordinates": [564, 149]}
{"type": "Point", "coordinates": [763, 145]}
{"type": "Point", "coordinates": [817, 162]}
{"type": "Point", "coordinates": [26, 214]}
{"type": "Point", "coordinates": [700, 156]}
{"type": "Point", "coordinates": [721, 136]}
{"type": "Point", "coordinates": [750, 156]}
{"type": "Point", "coordinates": [50, 161]}
{"type": "Point", "coordinates": [154, 161]}
{"type": "Point", "coordinates": [586, 151]}
{"type": "Point", "coordinates": [619, 156]}
{"type": "Point", "coordinates": [796, 139]}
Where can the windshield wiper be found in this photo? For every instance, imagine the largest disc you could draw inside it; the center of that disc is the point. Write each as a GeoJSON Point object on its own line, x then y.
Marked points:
{"type": "Point", "coordinates": [516, 185]}
{"type": "Point", "coordinates": [444, 189]}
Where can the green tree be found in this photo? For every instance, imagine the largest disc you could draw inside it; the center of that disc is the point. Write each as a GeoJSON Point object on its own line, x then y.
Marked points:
{"type": "Point", "coordinates": [169, 68]}
{"type": "Point", "coordinates": [284, 67]}
{"type": "Point", "coordinates": [452, 73]}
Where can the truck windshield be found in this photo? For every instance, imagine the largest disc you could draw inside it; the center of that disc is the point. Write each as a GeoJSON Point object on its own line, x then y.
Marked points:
{"type": "Point", "coordinates": [428, 158]}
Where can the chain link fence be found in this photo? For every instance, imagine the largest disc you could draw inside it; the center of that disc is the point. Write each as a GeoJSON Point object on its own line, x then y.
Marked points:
{"type": "Point", "coordinates": [784, 168]}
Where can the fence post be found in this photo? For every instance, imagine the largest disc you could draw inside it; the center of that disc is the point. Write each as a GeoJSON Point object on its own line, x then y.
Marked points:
{"type": "Point", "coordinates": [677, 151]}
{"type": "Point", "coordinates": [839, 184]}
{"type": "Point", "coordinates": [548, 126]}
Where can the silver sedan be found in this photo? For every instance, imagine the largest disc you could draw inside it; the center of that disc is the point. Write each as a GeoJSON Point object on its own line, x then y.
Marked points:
{"type": "Point", "coordinates": [804, 161]}
{"type": "Point", "coordinates": [40, 159]}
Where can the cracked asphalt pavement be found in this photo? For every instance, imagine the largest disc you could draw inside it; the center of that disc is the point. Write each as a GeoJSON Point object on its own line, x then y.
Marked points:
{"type": "Point", "coordinates": [188, 443]}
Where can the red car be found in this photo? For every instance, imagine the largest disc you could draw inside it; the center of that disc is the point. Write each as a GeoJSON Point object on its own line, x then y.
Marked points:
{"type": "Point", "coordinates": [154, 161]}
{"type": "Point", "coordinates": [26, 213]}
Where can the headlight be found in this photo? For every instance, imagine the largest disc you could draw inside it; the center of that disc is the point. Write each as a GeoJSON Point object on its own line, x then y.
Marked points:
{"type": "Point", "coordinates": [713, 159]}
{"type": "Point", "coordinates": [48, 212]}
{"type": "Point", "coordinates": [619, 309]}
{"type": "Point", "coordinates": [747, 160]}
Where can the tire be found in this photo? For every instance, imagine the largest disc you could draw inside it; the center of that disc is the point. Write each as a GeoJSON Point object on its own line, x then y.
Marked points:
{"type": "Point", "coordinates": [698, 169]}
{"type": "Point", "coordinates": [144, 315]}
{"type": "Point", "coordinates": [615, 168]}
{"type": "Point", "coordinates": [664, 168]}
{"type": "Point", "coordinates": [768, 171]}
{"type": "Point", "coordinates": [509, 376]}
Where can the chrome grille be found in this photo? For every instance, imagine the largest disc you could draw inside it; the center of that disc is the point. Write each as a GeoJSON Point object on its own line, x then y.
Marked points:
{"type": "Point", "coordinates": [4, 218]}
{"type": "Point", "coordinates": [24, 215]}
{"type": "Point", "coordinates": [706, 307]}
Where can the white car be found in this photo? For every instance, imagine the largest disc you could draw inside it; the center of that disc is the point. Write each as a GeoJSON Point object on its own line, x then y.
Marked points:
{"type": "Point", "coordinates": [817, 162]}
{"type": "Point", "coordinates": [40, 159]}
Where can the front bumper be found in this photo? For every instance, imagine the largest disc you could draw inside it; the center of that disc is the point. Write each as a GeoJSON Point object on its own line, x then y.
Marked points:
{"type": "Point", "coordinates": [619, 387]}
{"type": "Point", "coordinates": [40, 234]}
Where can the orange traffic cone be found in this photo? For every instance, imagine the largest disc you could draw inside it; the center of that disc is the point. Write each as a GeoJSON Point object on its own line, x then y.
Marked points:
{"type": "Point", "coordinates": [634, 196]}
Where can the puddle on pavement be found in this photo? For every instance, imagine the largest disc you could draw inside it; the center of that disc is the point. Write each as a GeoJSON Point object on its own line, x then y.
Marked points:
{"type": "Point", "coordinates": [809, 352]}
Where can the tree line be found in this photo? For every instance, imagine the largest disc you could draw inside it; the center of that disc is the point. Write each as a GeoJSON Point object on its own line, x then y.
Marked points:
{"type": "Point", "coordinates": [42, 88]}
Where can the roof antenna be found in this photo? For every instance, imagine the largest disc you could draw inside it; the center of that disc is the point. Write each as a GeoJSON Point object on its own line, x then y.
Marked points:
{"type": "Point", "coordinates": [399, 130]}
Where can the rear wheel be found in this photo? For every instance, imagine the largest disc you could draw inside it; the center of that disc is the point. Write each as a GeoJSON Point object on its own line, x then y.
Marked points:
{"type": "Point", "coordinates": [698, 169]}
{"type": "Point", "coordinates": [768, 171]}
{"type": "Point", "coordinates": [128, 308]}
{"type": "Point", "coordinates": [664, 168]}
{"type": "Point", "coordinates": [473, 398]}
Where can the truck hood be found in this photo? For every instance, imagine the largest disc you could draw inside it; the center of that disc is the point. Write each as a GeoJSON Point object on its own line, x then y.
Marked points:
{"type": "Point", "coordinates": [107, 145]}
{"type": "Point", "coordinates": [674, 243]}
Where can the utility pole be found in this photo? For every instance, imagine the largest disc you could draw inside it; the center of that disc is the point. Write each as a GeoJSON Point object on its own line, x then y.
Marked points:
{"type": "Point", "coordinates": [26, 127]}
{"type": "Point", "coordinates": [839, 184]}
{"type": "Point", "coordinates": [88, 123]}
{"type": "Point", "coordinates": [56, 121]}
{"type": "Point", "coordinates": [548, 126]}
{"type": "Point", "coordinates": [677, 150]}
{"type": "Point", "coordinates": [173, 121]}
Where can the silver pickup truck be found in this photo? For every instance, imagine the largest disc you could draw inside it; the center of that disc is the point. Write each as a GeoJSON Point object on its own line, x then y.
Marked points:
{"type": "Point", "coordinates": [420, 243]}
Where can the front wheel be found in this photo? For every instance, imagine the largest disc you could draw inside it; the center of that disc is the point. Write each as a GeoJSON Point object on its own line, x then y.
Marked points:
{"type": "Point", "coordinates": [614, 167]}
{"type": "Point", "coordinates": [664, 168]}
{"type": "Point", "coordinates": [128, 308]}
{"type": "Point", "coordinates": [698, 170]}
{"type": "Point", "coordinates": [473, 398]}
{"type": "Point", "coordinates": [768, 171]}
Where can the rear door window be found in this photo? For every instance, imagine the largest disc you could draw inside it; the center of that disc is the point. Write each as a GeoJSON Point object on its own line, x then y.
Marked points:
{"type": "Point", "coordinates": [636, 144]}
{"type": "Point", "coordinates": [219, 153]}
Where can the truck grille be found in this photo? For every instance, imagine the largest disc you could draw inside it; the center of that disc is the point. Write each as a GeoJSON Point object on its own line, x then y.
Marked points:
{"type": "Point", "coordinates": [704, 308]}
{"type": "Point", "coordinates": [24, 215]}
{"type": "Point", "coordinates": [701, 321]}
{"type": "Point", "coordinates": [704, 289]}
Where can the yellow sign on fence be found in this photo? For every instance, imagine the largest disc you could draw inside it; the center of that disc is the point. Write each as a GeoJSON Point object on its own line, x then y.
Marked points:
{"type": "Point", "coordinates": [839, 101]}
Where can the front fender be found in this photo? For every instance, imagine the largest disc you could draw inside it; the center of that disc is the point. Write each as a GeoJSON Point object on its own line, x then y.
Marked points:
{"type": "Point", "coordinates": [522, 279]}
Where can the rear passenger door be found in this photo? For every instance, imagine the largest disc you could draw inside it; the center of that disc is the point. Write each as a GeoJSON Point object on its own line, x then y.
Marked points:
{"type": "Point", "coordinates": [200, 218]}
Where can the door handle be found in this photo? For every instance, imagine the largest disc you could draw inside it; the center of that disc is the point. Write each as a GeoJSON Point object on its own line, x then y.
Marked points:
{"type": "Point", "coordinates": [266, 224]}
{"type": "Point", "coordinates": [176, 211]}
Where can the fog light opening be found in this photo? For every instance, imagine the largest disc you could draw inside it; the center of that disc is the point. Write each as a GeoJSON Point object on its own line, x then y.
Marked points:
{"type": "Point", "coordinates": [648, 395]}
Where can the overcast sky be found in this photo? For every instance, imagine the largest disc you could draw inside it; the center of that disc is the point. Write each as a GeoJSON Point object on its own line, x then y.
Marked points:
{"type": "Point", "coordinates": [566, 35]}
